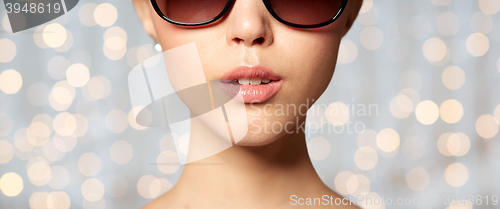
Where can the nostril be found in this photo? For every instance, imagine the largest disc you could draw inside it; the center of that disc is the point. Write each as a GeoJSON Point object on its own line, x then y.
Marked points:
{"type": "Point", "coordinates": [259, 40]}
{"type": "Point", "coordinates": [237, 40]}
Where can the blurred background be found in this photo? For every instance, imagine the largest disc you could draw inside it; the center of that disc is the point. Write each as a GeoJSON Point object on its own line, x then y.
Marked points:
{"type": "Point", "coordinates": [419, 82]}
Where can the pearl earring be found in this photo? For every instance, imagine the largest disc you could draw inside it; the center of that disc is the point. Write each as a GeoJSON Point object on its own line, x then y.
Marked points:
{"type": "Point", "coordinates": [158, 48]}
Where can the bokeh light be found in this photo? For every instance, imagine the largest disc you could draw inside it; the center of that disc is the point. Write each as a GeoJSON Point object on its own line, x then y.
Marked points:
{"type": "Point", "coordinates": [115, 43]}
{"type": "Point", "coordinates": [92, 190]}
{"type": "Point", "coordinates": [65, 124]}
{"type": "Point", "coordinates": [6, 24]}
{"type": "Point", "coordinates": [401, 106]}
{"type": "Point", "coordinates": [64, 143]}
{"type": "Point", "coordinates": [371, 204]}
{"type": "Point", "coordinates": [39, 173]}
{"type": "Point", "coordinates": [86, 14]}
{"type": "Point", "coordinates": [38, 37]}
{"type": "Point", "coordinates": [456, 174]}
{"type": "Point", "coordinates": [11, 81]}
{"type": "Point", "coordinates": [146, 118]}
{"type": "Point", "coordinates": [8, 50]}
{"type": "Point", "coordinates": [358, 184]}
{"type": "Point", "coordinates": [121, 152]}
{"type": "Point", "coordinates": [496, 113]}
{"type": "Point", "coordinates": [150, 187]}
{"type": "Point", "coordinates": [481, 22]}
{"type": "Point", "coordinates": [54, 35]}
{"type": "Point", "coordinates": [366, 158]}
{"type": "Point", "coordinates": [116, 121]}
{"type": "Point", "coordinates": [418, 179]}
{"type": "Point", "coordinates": [319, 148]}
{"type": "Point", "coordinates": [434, 49]}
{"type": "Point", "coordinates": [388, 140]}
{"type": "Point", "coordinates": [62, 95]}
{"type": "Point", "coordinates": [184, 143]}
{"type": "Point", "coordinates": [89, 164]}
{"type": "Point", "coordinates": [98, 87]}
{"type": "Point", "coordinates": [367, 5]}
{"type": "Point", "coordinates": [38, 200]}
{"type": "Point", "coordinates": [58, 200]}
{"type": "Point", "coordinates": [60, 177]}
{"type": "Point", "coordinates": [371, 38]}
{"type": "Point", "coordinates": [427, 112]}
{"type": "Point", "coordinates": [371, 16]}
{"type": "Point", "coordinates": [451, 111]}
{"type": "Point", "coordinates": [337, 113]}
{"type": "Point", "coordinates": [487, 126]}
{"type": "Point", "coordinates": [490, 7]}
{"type": "Point", "coordinates": [412, 94]}
{"type": "Point", "coordinates": [453, 77]}
{"type": "Point", "coordinates": [458, 144]}
{"type": "Point", "coordinates": [348, 52]}
{"type": "Point", "coordinates": [11, 184]}
{"type": "Point", "coordinates": [77, 75]}
{"type": "Point", "coordinates": [6, 152]}
{"type": "Point", "coordinates": [68, 43]}
{"type": "Point", "coordinates": [105, 14]}
{"type": "Point", "coordinates": [477, 44]}
{"type": "Point", "coordinates": [168, 162]}
{"type": "Point", "coordinates": [341, 181]}
{"type": "Point", "coordinates": [367, 138]}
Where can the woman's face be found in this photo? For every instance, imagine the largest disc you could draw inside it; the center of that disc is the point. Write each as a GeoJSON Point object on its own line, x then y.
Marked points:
{"type": "Point", "coordinates": [248, 35]}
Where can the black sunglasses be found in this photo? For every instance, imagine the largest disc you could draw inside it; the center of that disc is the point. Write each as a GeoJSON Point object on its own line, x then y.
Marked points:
{"type": "Point", "coordinates": [294, 13]}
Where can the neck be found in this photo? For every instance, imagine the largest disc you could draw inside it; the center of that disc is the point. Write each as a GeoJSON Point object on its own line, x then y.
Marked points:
{"type": "Point", "coordinates": [250, 175]}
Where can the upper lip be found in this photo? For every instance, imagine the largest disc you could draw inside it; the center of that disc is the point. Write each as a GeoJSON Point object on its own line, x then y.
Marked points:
{"type": "Point", "coordinates": [257, 71]}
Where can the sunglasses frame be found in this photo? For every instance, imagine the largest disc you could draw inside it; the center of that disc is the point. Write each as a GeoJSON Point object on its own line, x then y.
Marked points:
{"type": "Point", "coordinates": [266, 3]}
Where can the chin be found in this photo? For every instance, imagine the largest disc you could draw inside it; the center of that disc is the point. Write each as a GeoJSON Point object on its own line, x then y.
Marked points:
{"type": "Point", "coordinates": [264, 130]}
{"type": "Point", "coordinates": [260, 139]}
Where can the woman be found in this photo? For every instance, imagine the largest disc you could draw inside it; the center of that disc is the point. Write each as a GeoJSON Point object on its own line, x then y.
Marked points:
{"type": "Point", "coordinates": [282, 54]}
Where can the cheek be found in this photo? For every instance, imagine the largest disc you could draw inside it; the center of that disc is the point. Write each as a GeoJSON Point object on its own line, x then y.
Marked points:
{"type": "Point", "coordinates": [313, 60]}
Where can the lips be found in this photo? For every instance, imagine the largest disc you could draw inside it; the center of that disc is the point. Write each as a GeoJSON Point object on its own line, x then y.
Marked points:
{"type": "Point", "coordinates": [257, 84]}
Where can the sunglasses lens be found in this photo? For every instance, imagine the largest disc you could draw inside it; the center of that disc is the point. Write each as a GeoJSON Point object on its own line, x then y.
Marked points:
{"type": "Point", "coordinates": [191, 11]}
{"type": "Point", "coordinates": [306, 12]}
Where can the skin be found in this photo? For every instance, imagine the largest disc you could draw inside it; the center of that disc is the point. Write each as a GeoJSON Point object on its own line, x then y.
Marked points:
{"type": "Point", "coordinates": [265, 168]}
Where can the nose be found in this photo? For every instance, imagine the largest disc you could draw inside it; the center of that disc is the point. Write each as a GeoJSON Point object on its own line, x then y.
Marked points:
{"type": "Point", "coordinates": [249, 24]}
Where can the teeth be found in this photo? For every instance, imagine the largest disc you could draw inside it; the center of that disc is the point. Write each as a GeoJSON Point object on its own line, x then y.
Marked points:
{"type": "Point", "coordinates": [244, 81]}
{"type": "Point", "coordinates": [253, 81]}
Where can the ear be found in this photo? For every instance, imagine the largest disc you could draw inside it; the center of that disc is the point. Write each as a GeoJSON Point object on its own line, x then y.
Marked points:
{"type": "Point", "coordinates": [143, 9]}
{"type": "Point", "coordinates": [352, 8]}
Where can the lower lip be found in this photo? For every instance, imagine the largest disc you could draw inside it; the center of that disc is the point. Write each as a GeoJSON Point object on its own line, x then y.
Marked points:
{"type": "Point", "coordinates": [257, 93]}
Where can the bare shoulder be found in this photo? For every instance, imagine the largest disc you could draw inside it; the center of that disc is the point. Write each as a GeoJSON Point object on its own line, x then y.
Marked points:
{"type": "Point", "coordinates": [155, 204]}
{"type": "Point", "coordinates": [164, 201]}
